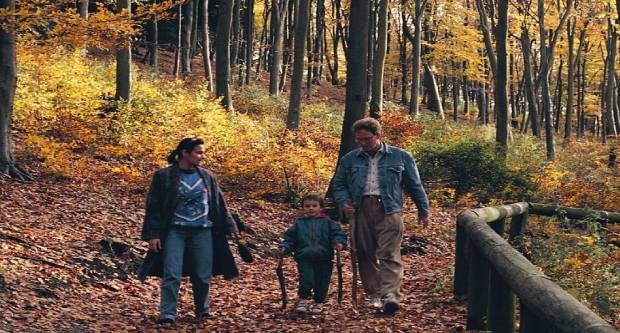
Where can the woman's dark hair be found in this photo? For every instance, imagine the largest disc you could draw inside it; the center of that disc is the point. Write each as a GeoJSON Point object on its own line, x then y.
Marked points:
{"type": "Point", "coordinates": [312, 197]}
{"type": "Point", "coordinates": [186, 144]}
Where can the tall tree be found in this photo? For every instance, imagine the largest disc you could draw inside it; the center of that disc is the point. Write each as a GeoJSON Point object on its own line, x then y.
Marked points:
{"type": "Point", "coordinates": [83, 9]}
{"type": "Point", "coordinates": [278, 15]}
{"type": "Point", "coordinates": [528, 76]}
{"type": "Point", "coordinates": [8, 84]}
{"type": "Point", "coordinates": [186, 37]}
{"type": "Point", "coordinates": [376, 102]}
{"type": "Point", "coordinates": [301, 33]}
{"type": "Point", "coordinates": [498, 60]}
{"type": "Point", "coordinates": [123, 60]}
{"type": "Point", "coordinates": [546, 63]}
{"type": "Point", "coordinates": [501, 76]}
{"type": "Point", "coordinates": [222, 53]}
{"type": "Point", "coordinates": [608, 118]}
{"type": "Point", "coordinates": [153, 40]}
{"type": "Point", "coordinates": [416, 40]}
{"type": "Point", "coordinates": [357, 57]}
{"type": "Point", "coordinates": [249, 38]}
{"type": "Point", "coordinates": [206, 42]}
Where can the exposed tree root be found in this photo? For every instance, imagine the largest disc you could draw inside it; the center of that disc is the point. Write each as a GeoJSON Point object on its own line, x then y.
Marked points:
{"type": "Point", "coordinates": [13, 170]}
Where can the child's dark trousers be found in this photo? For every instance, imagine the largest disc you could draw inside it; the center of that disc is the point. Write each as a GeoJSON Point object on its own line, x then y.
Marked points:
{"type": "Point", "coordinates": [314, 277]}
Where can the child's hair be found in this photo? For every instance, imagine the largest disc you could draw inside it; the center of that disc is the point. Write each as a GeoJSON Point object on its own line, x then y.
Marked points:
{"type": "Point", "coordinates": [312, 197]}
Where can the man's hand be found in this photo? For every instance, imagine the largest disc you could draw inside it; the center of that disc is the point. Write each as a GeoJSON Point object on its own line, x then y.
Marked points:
{"type": "Point", "coordinates": [423, 221]}
{"type": "Point", "coordinates": [155, 244]}
{"type": "Point", "coordinates": [339, 247]}
{"type": "Point", "coordinates": [348, 209]}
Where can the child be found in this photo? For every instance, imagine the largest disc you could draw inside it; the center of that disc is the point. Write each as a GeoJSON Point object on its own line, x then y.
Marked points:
{"type": "Point", "coordinates": [311, 240]}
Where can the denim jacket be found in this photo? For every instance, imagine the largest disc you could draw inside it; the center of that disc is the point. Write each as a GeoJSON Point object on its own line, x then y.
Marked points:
{"type": "Point", "coordinates": [397, 172]}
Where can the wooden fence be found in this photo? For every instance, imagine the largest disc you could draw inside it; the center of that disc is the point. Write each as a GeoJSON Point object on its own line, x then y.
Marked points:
{"type": "Point", "coordinates": [491, 274]}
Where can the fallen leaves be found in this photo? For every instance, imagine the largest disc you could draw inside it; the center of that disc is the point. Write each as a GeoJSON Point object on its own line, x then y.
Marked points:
{"type": "Point", "coordinates": [69, 249]}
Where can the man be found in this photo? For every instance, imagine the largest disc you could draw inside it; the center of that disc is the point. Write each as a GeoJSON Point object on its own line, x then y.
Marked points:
{"type": "Point", "coordinates": [369, 186]}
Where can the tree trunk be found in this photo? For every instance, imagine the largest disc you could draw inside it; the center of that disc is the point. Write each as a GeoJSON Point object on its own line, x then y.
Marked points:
{"type": "Point", "coordinates": [288, 43]}
{"type": "Point", "coordinates": [414, 106]}
{"type": "Point", "coordinates": [194, 39]}
{"type": "Point", "coordinates": [482, 103]}
{"type": "Point", "coordinates": [568, 125]}
{"type": "Point", "coordinates": [309, 64]}
{"type": "Point", "coordinates": [376, 101]}
{"type": "Point", "coordinates": [455, 98]}
{"type": "Point", "coordinates": [263, 39]}
{"type": "Point", "coordinates": [206, 43]}
{"type": "Point", "coordinates": [465, 92]}
{"type": "Point", "coordinates": [153, 39]}
{"type": "Point", "coordinates": [177, 54]}
{"type": "Point", "coordinates": [186, 37]}
{"type": "Point", "coordinates": [528, 76]}
{"type": "Point", "coordinates": [123, 61]}
{"type": "Point", "coordinates": [278, 14]}
{"type": "Point", "coordinates": [372, 28]}
{"type": "Point", "coordinates": [235, 34]}
{"type": "Point", "coordinates": [318, 46]}
{"type": "Point", "coordinates": [610, 127]}
{"type": "Point", "coordinates": [222, 53]}
{"type": "Point", "coordinates": [83, 9]}
{"type": "Point", "coordinates": [249, 38]}
{"type": "Point", "coordinates": [558, 97]}
{"type": "Point", "coordinates": [435, 99]}
{"type": "Point", "coordinates": [513, 102]}
{"type": "Point", "coordinates": [8, 84]}
{"type": "Point", "coordinates": [335, 42]}
{"type": "Point", "coordinates": [301, 33]}
{"type": "Point", "coordinates": [404, 69]}
{"type": "Point", "coordinates": [501, 75]}
{"type": "Point", "coordinates": [357, 53]}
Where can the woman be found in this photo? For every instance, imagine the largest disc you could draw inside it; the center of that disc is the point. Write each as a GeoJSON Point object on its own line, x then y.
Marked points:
{"type": "Point", "coordinates": [185, 224]}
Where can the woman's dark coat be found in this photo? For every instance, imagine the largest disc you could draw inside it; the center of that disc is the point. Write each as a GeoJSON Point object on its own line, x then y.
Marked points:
{"type": "Point", "coordinates": [160, 206]}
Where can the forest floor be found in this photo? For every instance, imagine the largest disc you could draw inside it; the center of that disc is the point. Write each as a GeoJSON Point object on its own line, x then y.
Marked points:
{"type": "Point", "coordinates": [69, 249]}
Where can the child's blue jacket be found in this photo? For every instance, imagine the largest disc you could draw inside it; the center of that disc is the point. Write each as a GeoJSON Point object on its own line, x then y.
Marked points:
{"type": "Point", "coordinates": [313, 239]}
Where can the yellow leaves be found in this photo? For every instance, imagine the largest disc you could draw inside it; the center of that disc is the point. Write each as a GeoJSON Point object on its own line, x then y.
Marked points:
{"type": "Point", "coordinates": [578, 260]}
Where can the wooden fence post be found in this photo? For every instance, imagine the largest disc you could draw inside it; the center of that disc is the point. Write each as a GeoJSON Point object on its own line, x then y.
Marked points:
{"type": "Point", "coordinates": [477, 289]}
{"type": "Point", "coordinates": [517, 225]}
{"type": "Point", "coordinates": [501, 311]}
{"type": "Point", "coordinates": [461, 264]}
{"type": "Point", "coordinates": [530, 322]}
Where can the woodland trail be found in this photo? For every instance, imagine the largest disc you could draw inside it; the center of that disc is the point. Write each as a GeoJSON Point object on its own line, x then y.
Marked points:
{"type": "Point", "coordinates": [61, 272]}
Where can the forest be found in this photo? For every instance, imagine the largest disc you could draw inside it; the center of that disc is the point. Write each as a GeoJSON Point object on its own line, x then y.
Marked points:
{"type": "Point", "coordinates": [498, 102]}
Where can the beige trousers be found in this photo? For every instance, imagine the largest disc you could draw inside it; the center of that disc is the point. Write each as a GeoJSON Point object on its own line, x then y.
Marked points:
{"type": "Point", "coordinates": [378, 240]}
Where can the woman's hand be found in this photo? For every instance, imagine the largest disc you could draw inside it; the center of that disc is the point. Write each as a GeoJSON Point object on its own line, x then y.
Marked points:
{"type": "Point", "coordinates": [233, 235]}
{"type": "Point", "coordinates": [155, 244]}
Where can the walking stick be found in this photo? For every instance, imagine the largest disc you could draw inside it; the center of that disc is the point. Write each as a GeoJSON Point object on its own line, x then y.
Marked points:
{"type": "Point", "coordinates": [353, 262]}
{"type": "Point", "coordinates": [339, 267]}
{"type": "Point", "coordinates": [280, 273]}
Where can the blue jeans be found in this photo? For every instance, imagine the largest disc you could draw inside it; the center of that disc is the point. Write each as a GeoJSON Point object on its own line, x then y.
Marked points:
{"type": "Point", "coordinates": [199, 243]}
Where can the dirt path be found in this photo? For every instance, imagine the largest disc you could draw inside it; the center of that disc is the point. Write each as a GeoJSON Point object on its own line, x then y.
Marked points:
{"type": "Point", "coordinates": [57, 275]}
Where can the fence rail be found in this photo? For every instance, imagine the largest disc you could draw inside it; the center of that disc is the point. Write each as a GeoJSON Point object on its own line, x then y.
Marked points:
{"type": "Point", "coordinates": [491, 274]}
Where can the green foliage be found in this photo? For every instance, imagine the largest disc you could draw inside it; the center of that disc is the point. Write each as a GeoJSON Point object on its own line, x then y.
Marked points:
{"type": "Point", "coordinates": [577, 257]}
{"type": "Point", "coordinates": [472, 166]}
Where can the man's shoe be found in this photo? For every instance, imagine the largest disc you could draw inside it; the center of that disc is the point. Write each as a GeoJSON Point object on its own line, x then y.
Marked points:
{"type": "Point", "coordinates": [390, 303]}
{"type": "Point", "coordinates": [375, 303]}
